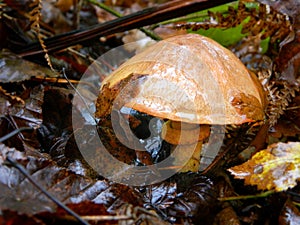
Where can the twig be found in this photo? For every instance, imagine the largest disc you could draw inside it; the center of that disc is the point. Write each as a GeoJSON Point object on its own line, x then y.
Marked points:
{"type": "Point", "coordinates": [148, 32]}
{"type": "Point", "coordinates": [106, 217]}
{"type": "Point", "coordinates": [80, 96]}
{"type": "Point", "coordinates": [142, 18]}
{"type": "Point", "coordinates": [14, 132]}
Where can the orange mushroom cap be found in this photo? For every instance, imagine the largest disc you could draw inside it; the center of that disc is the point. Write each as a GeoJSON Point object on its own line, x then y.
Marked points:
{"type": "Point", "coordinates": [189, 78]}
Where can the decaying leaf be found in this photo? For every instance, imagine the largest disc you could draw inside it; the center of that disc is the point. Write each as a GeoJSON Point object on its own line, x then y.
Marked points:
{"type": "Point", "coordinates": [288, 60]}
{"type": "Point", "coordinates": [227, 216]}
{"type": "Point", "coordinates": [160, 196]}
{"type": "Point", "coordinates": [196, 198]}
{"type": "Point", "coordinates": [139, 215]}
{"type": "Point", "coordinates": [290, 214]}
{"type": "Point", "coordinates": [277, 167]}
{"type": "Point", "coordinates": [15, 69]}
{"type": "Point", "coordinates": [22, 111]}
{"type": "Point", "coordinates": [95, 214]}
{"type": "Point", "coordinates": [18, 194]}
{"type": "Point", "coordinates": [289, 7]}
{"type": "Point", "coordinates": [14, 218]}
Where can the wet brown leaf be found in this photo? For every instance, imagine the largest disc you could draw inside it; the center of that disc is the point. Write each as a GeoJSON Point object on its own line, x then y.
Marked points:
{"type": "Point", "coordinates": [93, 213]}
{"type": "Point", "coordinates": [18, 114]}
{"type": "Point", "coordinates": [160, 196]}
{"type": "Point", "coordinates": [283, 129]}
{"type": "Point", "coordinates": [290, 214]}
{"type": "Point", "coordinates": [15, 218]}
{"type": "Point", "coordinates": [18, 194]}
{"type": "Point", "coordinates": [196, 197]}
{"type": "Point", "coordinates": [293, 112]}
{"type": "Point", "coordinates": [57, 119]}
{"type": "Point", "coordinates": [139, 215]}
{"type": "Point", "coordinates": [226, 216]}
{"type": "Point", "coordinates": [288, 60]}
{"type": "Point", "coordinates": [15, 69]}
{"type": "Point", "coordinates": [289, 7]}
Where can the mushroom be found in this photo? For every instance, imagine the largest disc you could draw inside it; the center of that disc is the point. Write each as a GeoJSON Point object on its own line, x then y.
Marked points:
{"type": "Point", "coordinates": [192, 82]}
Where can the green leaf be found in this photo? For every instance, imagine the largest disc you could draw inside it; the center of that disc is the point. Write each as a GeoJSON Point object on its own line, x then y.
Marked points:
{"type": "Point", "coordinates": [225, 37]}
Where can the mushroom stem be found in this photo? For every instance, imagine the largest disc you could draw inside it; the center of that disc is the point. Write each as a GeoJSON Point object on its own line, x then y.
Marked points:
{"type": "Point", "coordinates": [193, 164]}
{"type": "Point", "coordinates": [180, 133]}
{"type": "Point", "coordinates": [185, 136]}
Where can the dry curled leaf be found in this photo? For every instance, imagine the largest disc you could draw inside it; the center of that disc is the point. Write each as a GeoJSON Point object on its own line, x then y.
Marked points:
{"type": "Point", "coordinates": [275, 168]}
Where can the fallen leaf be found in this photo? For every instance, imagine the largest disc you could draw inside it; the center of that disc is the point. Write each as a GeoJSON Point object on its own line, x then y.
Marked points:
{"type": "Point", "coordinates": [284, 128]}
{"type": "Point", "coordinates": [160, 196]}
{"type": "Point", "coordinates": [19, 194]}
{"type": "Point", "coordinates": [290, 214]}
{"type": "Point", "coordinates": [275, 168]}
{"type": "Point", "coordinates": [14, 218]}
{"type": "Point", "coordinates": [93, 213]}
{"type": "Point", "coordinates": [226, 216]}
{"type": "Point", "coordinates": [139, 215]}
{"type": "Point", "coordinates": [57, 119]}
{"type": "Point", "coordinates": [288, 60]}
{"type": "Point", "coordinates": [26, 114]}
{"type": "Point", "coordinates": [15, 69]}
{"type": "Point", "coordinates": [289, 7]}
{"type": "Point", "coordinates": [196, 197]}
{"type": "Point", "coordinates": [293, 112]}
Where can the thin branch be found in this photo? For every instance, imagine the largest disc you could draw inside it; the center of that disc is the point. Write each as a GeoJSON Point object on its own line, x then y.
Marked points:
{"type": "Point", "coordinates": [149, 33]}
{"type": "Point", "coordinates": [139, 19]}
{"type": "Point", "coordinates": [14, 132]}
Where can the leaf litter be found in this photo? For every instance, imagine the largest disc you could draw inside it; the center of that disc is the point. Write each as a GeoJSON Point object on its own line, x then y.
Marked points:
{"type": "Point", "coordinates": [51, 158]}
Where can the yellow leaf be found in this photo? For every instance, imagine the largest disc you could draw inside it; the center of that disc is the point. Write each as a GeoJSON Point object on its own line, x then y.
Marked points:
{"type": "Point", "coordinates": [275, 168]}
